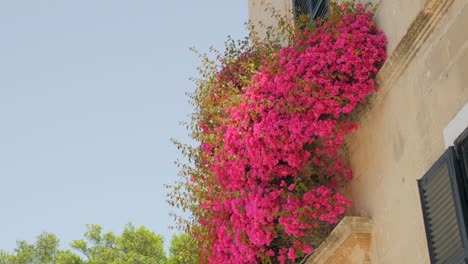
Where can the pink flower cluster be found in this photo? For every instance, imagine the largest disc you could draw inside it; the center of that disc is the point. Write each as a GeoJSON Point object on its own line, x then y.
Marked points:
{"type": "Point", "coordinates": [294, 111]}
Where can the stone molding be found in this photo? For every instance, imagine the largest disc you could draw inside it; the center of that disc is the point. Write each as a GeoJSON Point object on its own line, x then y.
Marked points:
{"type": "Point", "coordinates": [414, 39]}
{"type": "Point", "coordinates": [348, 243]}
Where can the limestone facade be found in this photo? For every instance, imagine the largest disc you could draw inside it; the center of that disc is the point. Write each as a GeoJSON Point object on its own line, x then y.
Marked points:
{"type": "Point", "coordinates": [422, 87]}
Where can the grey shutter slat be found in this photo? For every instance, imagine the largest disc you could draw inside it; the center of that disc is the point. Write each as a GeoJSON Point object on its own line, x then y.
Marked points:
{"type": "Point", "coordinates": [318, 9]}
{"type": "Point", "coordinates": [444, 210]}
{"type": "Point", "coordinates": [301, 7]}
{"type": "Point", "coordinates": [315, 8]}
{"type": "Point", "coordinates": [461, 146]}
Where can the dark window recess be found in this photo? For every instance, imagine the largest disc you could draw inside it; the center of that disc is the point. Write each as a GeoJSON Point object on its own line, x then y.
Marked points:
{"type": "Point", "coordinates": [461, 146]}
{"type": "Point", "coordinates": [315, 8]}
{"type": "Point", "coordinates": [443, 200]}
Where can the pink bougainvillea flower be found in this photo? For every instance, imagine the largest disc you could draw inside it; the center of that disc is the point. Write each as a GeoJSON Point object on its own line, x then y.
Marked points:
{"type": "Point", "coordinates": [294, 111]}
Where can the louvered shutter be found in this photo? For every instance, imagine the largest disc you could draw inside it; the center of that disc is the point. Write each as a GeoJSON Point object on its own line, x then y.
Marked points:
{"type": "Point", "coordinates": [444, 211]}
{"type": "Point", "coordinates": [461, 145]}
{"type": "Point", "coordinates": [314, 8]}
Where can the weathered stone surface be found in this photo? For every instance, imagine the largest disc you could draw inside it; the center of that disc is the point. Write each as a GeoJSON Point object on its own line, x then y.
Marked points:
{"type": "Point", "coordinates": [348, 243]}
{"type": "Point", "coordinates": [260, 13]}
{"type": "Point", "coordinates": [423, 85]}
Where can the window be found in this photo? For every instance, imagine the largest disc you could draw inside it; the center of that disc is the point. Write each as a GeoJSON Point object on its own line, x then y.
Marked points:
{"type": "Point", "coordinates": [443, 193]}
{"type": "Point", "coordinates": [461, 144]}
{"type": "Point", "coordinates": [314, 8]}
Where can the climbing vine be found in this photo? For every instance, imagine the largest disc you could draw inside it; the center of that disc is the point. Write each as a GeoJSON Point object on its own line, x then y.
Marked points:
{"type": "Point", "coordinates": [264, 110]}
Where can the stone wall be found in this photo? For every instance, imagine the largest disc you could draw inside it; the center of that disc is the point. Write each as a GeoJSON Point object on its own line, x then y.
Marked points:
{"type": "Point", "coordinates": [423, 85]}
{"type": "Point", "coordinates": [260, 12]}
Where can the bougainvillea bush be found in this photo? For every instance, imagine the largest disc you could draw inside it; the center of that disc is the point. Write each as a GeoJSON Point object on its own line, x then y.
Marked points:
{"type": "Point", "coordinates": [264, 110]}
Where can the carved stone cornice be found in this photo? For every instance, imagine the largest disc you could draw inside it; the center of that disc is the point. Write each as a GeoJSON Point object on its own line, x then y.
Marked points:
{"type": "Point", "coordinates": [412, 42]}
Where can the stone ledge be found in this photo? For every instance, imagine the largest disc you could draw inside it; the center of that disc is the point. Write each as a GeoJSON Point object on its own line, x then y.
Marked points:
{"type": "Point", "coordinates": [412, 42]}
{"type": "Point", "coordinates": [414, 39]}
{"type": "Point", "coordinates": [348, 243]}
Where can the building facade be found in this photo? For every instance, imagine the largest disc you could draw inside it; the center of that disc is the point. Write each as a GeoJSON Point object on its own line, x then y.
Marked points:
{"type": "Point", "coordinates": [417, 114]}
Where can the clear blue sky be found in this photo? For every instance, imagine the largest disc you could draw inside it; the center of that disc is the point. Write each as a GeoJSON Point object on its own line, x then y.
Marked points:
{"type": "Point", "coordinates": [91, 91]}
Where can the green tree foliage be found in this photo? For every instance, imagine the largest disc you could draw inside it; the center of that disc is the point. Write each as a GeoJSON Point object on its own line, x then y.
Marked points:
{"type": "Point", "coordinates": [183, 250]}
{"type": "Point", "coordinates": [44, 251]}
{"type": "Point", "coordinates": [133, 246]}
